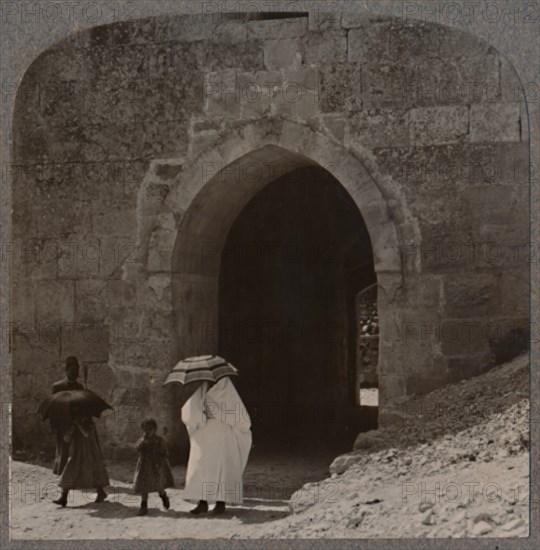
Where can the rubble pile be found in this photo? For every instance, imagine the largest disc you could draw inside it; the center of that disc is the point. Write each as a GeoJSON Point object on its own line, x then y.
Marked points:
{"type": "Point", "coordinates": [472, 436]}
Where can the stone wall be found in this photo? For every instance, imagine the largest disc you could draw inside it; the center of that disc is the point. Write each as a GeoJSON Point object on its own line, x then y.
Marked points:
{"type": "Point", "coordinates": [121, 135]}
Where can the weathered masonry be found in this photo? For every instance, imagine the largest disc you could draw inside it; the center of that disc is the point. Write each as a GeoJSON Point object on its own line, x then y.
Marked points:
{"type": "Point", "coordinates": [150, 154]}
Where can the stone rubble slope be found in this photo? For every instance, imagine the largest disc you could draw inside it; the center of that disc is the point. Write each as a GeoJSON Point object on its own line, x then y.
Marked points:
{"type": "Point", "coordinates": [472, 432]}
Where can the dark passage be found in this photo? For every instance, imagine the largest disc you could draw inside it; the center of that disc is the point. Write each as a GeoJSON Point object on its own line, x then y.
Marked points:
{"type": "Point", "coordinates": [292, 264]}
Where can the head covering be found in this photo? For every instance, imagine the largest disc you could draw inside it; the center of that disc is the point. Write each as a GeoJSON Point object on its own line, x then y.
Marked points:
{"type": "Point", "coordinates": [71, 361]}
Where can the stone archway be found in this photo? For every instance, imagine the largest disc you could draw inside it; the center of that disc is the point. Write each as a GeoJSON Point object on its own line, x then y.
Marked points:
{"type": "Point", "coordinates": [207, 195]}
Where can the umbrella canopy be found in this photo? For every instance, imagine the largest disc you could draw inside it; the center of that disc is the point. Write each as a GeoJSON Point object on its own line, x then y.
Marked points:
{"type": "Point", "coordinates": [203, 367]}
{"type": "Point", "coordinates": [72, 404]}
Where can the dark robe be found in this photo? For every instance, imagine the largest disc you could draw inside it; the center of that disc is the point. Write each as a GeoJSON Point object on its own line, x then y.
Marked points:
{"type": "Point", "coordinates": [153, 472]}
{"type": "Point", "coordinates": [62, 448]}
{"type": "Point", "coordinates": [84, 468]}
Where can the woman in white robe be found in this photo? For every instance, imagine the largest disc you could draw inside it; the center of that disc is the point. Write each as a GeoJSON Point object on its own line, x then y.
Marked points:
{"type": "Point", "coordinates": [219, 431]}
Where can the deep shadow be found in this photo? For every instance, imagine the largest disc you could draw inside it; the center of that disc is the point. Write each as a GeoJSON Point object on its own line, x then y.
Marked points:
{"type": "Point", "coordinates": [292, 264]}
{"type": "Point", "coordinates": [246, 513]}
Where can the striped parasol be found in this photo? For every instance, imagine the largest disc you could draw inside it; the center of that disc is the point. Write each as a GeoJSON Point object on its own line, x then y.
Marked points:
{"type": "Point", "coordinates": [200, 368]}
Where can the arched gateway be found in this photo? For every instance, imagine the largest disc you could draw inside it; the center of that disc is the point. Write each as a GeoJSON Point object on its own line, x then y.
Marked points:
{"type": "Point", "coordinates": [207, 197]}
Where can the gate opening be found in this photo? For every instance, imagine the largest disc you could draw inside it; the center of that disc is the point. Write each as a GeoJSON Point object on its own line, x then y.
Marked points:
{"type": "Point", "coordinates": [292, 266]}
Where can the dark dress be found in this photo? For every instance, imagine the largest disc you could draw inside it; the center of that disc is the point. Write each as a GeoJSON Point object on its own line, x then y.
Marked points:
{"type": "Point", "coordinates": [62, 448]}
{"type": "Point", "coordinates": [84, 468]}
{"type": "Point", "coordinates": [153, 472]}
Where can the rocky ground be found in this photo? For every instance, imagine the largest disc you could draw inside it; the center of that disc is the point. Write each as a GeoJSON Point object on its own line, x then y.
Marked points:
{"type": "Point", "coordinates": [457, 466]}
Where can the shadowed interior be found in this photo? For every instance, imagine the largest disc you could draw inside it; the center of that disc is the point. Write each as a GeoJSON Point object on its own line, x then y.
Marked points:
{"type": "Point", "coordinates": [292, 264]}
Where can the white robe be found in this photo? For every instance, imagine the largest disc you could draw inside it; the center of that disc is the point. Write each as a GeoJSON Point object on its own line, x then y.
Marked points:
{"type": "Point", "coordinates": [220, 437]}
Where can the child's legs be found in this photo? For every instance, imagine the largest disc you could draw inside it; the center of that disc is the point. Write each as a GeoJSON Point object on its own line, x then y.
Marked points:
{"type": "Point", "coordinates": [144, 497]}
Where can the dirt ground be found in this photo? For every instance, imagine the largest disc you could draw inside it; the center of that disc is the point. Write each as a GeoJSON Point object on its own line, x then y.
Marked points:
{"type": "Point", "coordinates": [459, 467]}
{"type": "Point", "coordinates": [377, 511]}
{"type": "Point", "coordinates": [269, 481]}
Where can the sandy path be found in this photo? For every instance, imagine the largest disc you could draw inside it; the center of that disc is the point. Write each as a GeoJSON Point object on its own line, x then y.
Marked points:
{"type": "Point", "coordinates": [34, 516]}
{"type": "Point", "coordinates": [355, 510]}
{"type": "Point", "coordinates": [269, 481]}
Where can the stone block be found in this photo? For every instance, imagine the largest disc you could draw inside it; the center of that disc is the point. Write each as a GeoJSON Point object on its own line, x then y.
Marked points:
{"type": "Point", "coordinates": [469, 295]}
{"type": "Point", "coordinates": [325, 47]}
{"type": "Point", "coordinates": [373, 439]}
{"type": "Point", "coordinates": [89, 342]}
{"type": "Point", "coordinates": [376, 128]}
{"type": "Point", "coordinates": [142, 353]}
{"type": "Point", "coordinates": [80, 257]}
{"type": "Point", "coordinates": [277, 29]}
{"type": "Point", "coordinates": [202, 141]}
{"type": "Point", "coordinates": [465, 366]}
{"type": "Point", "coordinates": [511, 87]}
{"type": "Point", "coordinates": [23, 301]}
{"type": "Point", "coordinates": [425, 382]}
{"type": "Point", "coordinates": [125, 32]}
{"type": "Point", "coordinates": [425, 292]}
{"type": "Point", "coordinates": [36, 358]}
{"type": "Point", "coordinates": [282, 54]}
{"type": "Point", "coordinates": [184, 28]}
{"type": "Point", "coordinates": [156, 295]}
{"type": "Point", "coordinates": [444, 249]}
{"type": "Point", "coordinates": [63, 218]}
{"type": "Point", "coordinates": [91, 302]}
{"type": "Point", "coordinates": [514, 286]}
{"type": "Point", "coordinates": [55, 301]}
{"type": "Point", "coordinates": [385, 41]}
{"type": "Point", "coordinates": [495, 122]}
{"type": "Point", "coordinates": [160, 326]}
{"type": "Point", "coordinates": [228, 32]}
{"type": "Point", "coordinates": [462, 337]}
{"type": "Point", "coordinates": [357, 18]}
{"type": "Point", "coordinates": [431, 82]}
{"type": "Point", "coordinates": [419, 332]}
{"type": "Point", "coordinates": [102, 379]}
{"type": "Point", "coordinates": [119, 219]}
{"type": "Point", "coordinates": [181, 96]}
{"type": "Point", "coordinates": [300, 94]}
{"type": "Point", "coordinates": [246, 55]}
{"type": "Point", "coordinates": [386, 85]}
{"type": "Point", "coordinates": [336, 126]}
{"type": "Point", "coordinates": [116, 252]}
{"type": "Point", "coordinates": [34, 258]}
{"type": "Point", "coordinates": [510, 337]}
{"type": "Point", "coordinates": [438, 125]}
{"type": "Point", "coordinates": [340, 87]}
{"type": "Point", "coordinates": [389, 291]}
{"type": "Point", "coordinates": [159, 259]}
{"type": "Point", "coordinates": [501, 245]}
{"type": "Point", "coordinates": [258, 92]}
{"type": "Point", "coordinates": [391, 389]}
{"type": "Point", "coordinates": [161, 249]}
{"type": "Point", "coordinates": [122, 292]}
{"type": "Point", "coordinates": [493, 205]}
{"type": "Point", "coordinates": [386, 248]}
{"type": "Point", "coordinates": [222, 95]}
{"type": "Point", "coordinates": [325, 17]}
{"type": "Point", "coordinates": [149, 201]}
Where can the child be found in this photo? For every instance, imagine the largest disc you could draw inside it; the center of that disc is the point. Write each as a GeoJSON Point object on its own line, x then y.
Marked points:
{"type": "Point", "coordinates": [153, 472]}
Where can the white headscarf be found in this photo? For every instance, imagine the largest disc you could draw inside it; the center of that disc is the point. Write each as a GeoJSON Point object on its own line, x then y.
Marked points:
{"type": "Point", "coordinates": [219, 402]}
